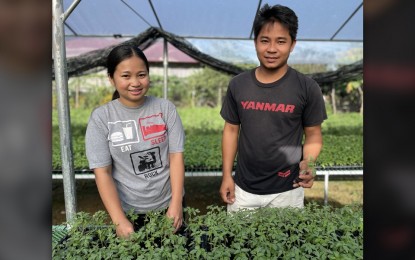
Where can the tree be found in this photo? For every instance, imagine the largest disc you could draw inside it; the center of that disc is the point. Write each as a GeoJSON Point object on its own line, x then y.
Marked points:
{"type": "Point", "coordinates": [356, 86]}
{"type": "Point", "coordinates": [177, 89]}
{"type": "Point", "coordinates": [207, 87]}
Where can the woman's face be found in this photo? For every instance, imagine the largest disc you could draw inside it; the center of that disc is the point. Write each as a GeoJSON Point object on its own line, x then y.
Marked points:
{"type": "Point", "coordinates": [131, 80]}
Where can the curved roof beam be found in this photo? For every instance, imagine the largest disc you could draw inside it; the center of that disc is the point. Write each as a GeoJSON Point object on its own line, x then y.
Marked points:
{"type": "Point", "coordinates": [155, 14]}
{"type": "Point", "coordinates": [136, 13]}
{"type": "Point", "coordinates": [348, 19]}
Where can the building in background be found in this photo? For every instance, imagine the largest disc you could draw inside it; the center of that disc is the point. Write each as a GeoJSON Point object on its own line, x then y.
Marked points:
{"type": "Point", "coordinates": [96, 83]}
{"type": "Point", "coordinates": [180, 64]}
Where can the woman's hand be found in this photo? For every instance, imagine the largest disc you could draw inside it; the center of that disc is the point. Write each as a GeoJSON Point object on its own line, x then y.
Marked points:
{"type": "Point", "coordinates": [109, 195]}
{"type": "Point", "coordinates": [124, 228]}
{"type": "Point", "coordinates": [175, 212]}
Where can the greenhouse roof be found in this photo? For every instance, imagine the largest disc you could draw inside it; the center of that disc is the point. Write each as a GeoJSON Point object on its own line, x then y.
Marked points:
{"type": "Point", "coordinates": [319, 20]}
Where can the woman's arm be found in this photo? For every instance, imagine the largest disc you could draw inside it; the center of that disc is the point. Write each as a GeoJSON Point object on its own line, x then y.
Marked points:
{"type": "Point", "coordinates": [109, 195]}
{"type": "Point", "coordinates": [175, 210]}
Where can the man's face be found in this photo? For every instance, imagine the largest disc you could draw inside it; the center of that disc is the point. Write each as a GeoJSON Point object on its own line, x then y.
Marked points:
{"type": "Point", "coordinates": [273, 46]}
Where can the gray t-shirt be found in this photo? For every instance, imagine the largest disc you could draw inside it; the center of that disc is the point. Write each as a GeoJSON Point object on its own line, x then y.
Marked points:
{"type": "Point", "coordinates": [136, 142]}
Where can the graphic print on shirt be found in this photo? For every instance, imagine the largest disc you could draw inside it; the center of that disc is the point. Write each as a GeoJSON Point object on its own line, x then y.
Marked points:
{"type": "Point", "coordinates": [146, 161]}
{"type": "Point", "coordinates": [265, 106]}
{"type": "Point", "coordinates": [284, 174]}
{"type": "Point", "coordinates": [152, 126]}
{"type": "Point", "coordinates": [123, 132]}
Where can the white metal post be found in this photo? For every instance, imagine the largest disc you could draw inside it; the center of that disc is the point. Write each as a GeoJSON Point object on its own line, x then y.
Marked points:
{"type": "Point", "coordinates": [326, 187]}
{"type": "Point", "coordinates": [165, 65]}
{"type": "Point", "coordinates": [61, 80]}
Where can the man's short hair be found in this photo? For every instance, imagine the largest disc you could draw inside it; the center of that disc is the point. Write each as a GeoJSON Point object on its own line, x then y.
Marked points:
{"type": "Point", "coordinates": [276, 13]}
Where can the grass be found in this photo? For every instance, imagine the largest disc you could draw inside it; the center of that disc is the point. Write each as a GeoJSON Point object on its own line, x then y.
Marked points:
{"type": "Point", "coordinates": [340, 192]}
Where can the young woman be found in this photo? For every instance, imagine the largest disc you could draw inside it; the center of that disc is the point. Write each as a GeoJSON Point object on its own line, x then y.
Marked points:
{"type": "Point", "coordinates": [135, 144]}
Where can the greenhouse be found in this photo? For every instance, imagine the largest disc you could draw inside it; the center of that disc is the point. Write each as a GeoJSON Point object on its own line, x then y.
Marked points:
{"type": "Point", "coordinates": [184, 24]}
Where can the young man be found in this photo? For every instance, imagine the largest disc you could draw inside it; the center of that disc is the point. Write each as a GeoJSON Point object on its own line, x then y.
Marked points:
{"type": "Point", "coordinates": [267, 110]}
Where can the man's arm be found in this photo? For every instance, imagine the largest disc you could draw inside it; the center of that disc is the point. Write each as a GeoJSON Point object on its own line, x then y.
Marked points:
{"type": "Point", "coordinates": [312, 146]}
{"type": "Point", "coordinates": [229, 147]}
{"type": "Point", "coordinates": [109, 195]}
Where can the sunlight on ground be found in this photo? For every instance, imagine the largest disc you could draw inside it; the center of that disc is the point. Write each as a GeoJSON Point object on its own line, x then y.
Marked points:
{"type": "Point", "coordinates": [340, 192]}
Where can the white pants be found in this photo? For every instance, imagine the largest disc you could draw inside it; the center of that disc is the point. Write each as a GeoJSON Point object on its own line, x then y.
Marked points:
{"type": "Point", "coordinates": [245, 200]}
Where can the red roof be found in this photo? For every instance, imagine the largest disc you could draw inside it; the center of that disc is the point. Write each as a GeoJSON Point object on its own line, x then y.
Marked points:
{"type": "Point", "coordinates": [154, 53]}
{"type": "Point", "coordinates": [80, 45]}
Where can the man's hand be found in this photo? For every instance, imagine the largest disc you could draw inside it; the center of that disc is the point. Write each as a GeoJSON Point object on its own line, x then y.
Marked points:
{"type": "Point", "coordinates": [175, 212]}
{"type": "Point", "coordinates": [124, 228]}
{"type": "Point", "coordinates": [307, 174]}
{"type": "Point", "coordinates": [227, 190]}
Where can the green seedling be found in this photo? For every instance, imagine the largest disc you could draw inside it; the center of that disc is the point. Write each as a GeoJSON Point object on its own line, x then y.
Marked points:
{"type": "Point", "coordinates": [314, 232]}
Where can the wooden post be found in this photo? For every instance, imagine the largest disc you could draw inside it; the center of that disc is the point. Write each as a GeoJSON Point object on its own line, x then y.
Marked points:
{"type": "Point", "coordinates": [219, 102]}
{"type": "Point", "coordinates": [77, 90]}
{"type": "Point", "coordinates": [360, 89]}
{"type": "Point", "coordinates": [333, 99]}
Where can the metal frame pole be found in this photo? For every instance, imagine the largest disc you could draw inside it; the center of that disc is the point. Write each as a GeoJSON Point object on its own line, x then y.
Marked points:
{"type": "Point", "coordinates": [326, 188]}
{"type": "Point", "coordinates": [165, 66]}
{"type": "Point", "coordinates": [70, 9]}
{"type": "Point", "coordinates": [61, 80]}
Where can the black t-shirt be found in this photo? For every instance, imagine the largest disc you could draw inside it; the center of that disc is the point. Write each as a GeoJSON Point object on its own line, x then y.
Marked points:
{"type": "Point", "coordinates": [272, 117]}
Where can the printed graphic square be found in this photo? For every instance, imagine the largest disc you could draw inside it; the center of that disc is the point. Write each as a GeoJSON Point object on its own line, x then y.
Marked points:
{"type": "Point", "coordinates": [152, 126]}
{"type": "Point", "coordinates": [146, 161]}
{"type": "Point", "coordinates": [123, 132]}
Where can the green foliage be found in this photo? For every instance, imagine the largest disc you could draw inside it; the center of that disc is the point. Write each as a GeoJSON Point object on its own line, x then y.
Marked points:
{"type": "Point", "coordinates": [97, 96]}
{"type": "Point", "coordinates": [201, 120]}
{"type": "Point", "coordinates": [343, 124]}
{"type": "Point", "coordinates": [247, 66]}
{"type": "Point", "coordinates": [310, 68]}
{"type": "Point", "coordinates": [88, 91]}
{"type": "Point", "coordinates": [314, 232]}
{"type": "Point", "coordinates": [348, 95]}
{"type": "Point", "coordinates": [341, 150]}
{"type": "Point", "coordinates": [207, 87]}
{"type": "Point", "coordinates": [79, 121]}
{"type": "Point", "coordinates": [177, 89]}
{"type": "Point", "coordinates": [203, 152]}
{"type": "Point", "coordinates": [342, 137]}
{"type": "Point", "coordinates": [204, 88]}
